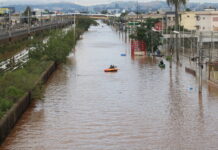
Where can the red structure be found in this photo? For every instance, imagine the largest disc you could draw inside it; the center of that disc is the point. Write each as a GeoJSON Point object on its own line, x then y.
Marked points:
{"type": "Point", "coordinates": [159, 26]}
{"type": "Point", "coordinates": [137, 46]}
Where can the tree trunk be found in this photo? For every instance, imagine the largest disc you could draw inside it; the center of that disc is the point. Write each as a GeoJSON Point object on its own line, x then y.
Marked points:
{"type": "Point", "coordinates": [177, 29]}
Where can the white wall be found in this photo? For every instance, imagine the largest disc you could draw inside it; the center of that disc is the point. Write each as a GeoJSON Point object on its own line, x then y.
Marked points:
{"type": "Point", "coordinates": [208, 22]}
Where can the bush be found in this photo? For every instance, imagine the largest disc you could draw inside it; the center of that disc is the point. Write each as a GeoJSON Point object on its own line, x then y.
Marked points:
{"type": "Point", "coordinates": [57, 48]}
{"type": "Point", "coordinates": [168, 58]}
{"type": "Point", "coordinates": [13, 93]}
{"type": "Point", "coordinates": [5, 105]}
{"type": "Point", "coordinates": [16, 83]}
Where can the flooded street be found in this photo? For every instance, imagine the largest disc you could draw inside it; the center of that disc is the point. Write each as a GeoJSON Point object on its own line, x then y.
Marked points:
{"type": "Point", "coordinates": [141, 107]}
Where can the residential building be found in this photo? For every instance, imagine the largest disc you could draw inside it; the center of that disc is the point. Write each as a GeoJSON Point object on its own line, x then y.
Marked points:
{"type": "Point", "coordinates": [188, 20]}
{"type": "Point", "coordinates": [7, 10]}
{"type": "Point", "coordinates": [207, 20]}
{"type": "Point", "coordinates": [213, 72]}
{"type": "Point", "coordinates": [131, 16]}
{"type": "Point", "coordinates": [113, 11]}
{"type": "Point", "coordinates": [152, 15]}
{"type": "Point", "coordinates": [169, 19]}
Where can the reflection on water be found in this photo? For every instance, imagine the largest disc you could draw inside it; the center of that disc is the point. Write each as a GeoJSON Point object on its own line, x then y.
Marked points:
{"type": "Point", "coordinates": [139, 107]}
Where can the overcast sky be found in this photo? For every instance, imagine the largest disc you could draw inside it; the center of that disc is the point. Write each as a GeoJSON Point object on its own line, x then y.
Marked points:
{"type": "Point", "coordinates": [82, 2]}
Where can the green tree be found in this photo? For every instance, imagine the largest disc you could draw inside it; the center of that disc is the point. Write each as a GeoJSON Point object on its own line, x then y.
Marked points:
{"type": "Point", "coordinates": [27, 15]}
{"type": "Point", "coordinates": [104, 12]}
{"type": "Point", "coordinates": [188, 9]}
{"type": "Point", "coordinates": [13, 93]}
{"type": "Point", "coordinates": [146, 33]}
{"type": "Point", "coordinates": [177, 4]}
{"type": "Point", "coordinates": [27, 11]}
{"type": "Point", "coordinates": [57, 49]}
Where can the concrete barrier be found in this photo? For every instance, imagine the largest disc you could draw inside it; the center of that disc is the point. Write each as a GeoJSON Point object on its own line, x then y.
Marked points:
{"type": "Point", "coordinates": [8, 121]}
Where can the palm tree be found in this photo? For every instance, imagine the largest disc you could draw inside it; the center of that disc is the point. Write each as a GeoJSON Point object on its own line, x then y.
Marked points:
{"type": "Point", "coordinates": [177, 4]}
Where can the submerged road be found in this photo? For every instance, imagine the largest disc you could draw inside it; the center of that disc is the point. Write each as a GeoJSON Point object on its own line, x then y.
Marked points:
{"type": "Point", "coordinates": [141, 107]}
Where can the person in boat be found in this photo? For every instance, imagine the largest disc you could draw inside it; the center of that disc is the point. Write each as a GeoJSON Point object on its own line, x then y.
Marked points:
{"type": "Point", "coordinates": [161, 63]}
{"type": "Point", "coordinates": [112, 66]}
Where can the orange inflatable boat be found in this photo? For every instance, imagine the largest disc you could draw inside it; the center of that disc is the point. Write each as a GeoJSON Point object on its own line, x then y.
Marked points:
{"type": "Point", "coordinates": [111, 70]}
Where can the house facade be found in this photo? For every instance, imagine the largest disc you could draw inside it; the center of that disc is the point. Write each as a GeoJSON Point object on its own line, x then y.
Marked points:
{"type": "Point", "coordinates": [188, 20]}
{"type": "Point", "coordinates": [169, 19]}
{"type": "Point", "coordinates": [207, 20]}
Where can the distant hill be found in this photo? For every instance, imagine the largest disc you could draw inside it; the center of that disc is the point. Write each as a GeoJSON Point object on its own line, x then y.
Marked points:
{"type": "Point", "coordinates": [150, 6]}
{"type": "Point", "coordinates": [52, 6]}
{"type": "Point", "coordinates": [129, 5]}
{"type": "Point", "coordinates": [133, 6]}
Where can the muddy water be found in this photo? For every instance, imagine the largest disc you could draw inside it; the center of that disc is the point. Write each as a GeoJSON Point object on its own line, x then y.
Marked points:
{"type": "Point", "coordinates": [141, 107]}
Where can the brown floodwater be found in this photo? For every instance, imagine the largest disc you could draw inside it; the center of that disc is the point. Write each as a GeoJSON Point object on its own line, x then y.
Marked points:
{"type": "Point", "coordinates": [141, 107]}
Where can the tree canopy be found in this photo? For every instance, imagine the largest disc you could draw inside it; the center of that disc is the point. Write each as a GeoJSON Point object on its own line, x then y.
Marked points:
{"type": "Point", "coordinates": [176, 2]}
{"type": "Point", "coordinates": [146, 33]}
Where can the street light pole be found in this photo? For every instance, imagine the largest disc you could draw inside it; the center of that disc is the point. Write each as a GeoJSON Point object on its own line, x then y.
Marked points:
{"type": "Point", "coordinates": [41, 18]}
{"type": "Point", "coordinates": [50, 20]}
{"type": "Point", "coordinates": [28, 22]}
{"type": "Point", "coordinates": [9, 24]}
{"type": "Point", "coordinates": [200, 63]}
{"type": "Point", "coordinates": [74, 20]}
{"type": "Point", "coordinates": [183, 44]}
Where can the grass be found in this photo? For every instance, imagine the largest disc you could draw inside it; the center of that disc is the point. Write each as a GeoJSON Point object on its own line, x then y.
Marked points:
{"type": "Point", "coordinates": [16, 83]}
{"type": "Point", "coordinates": [7, 50]}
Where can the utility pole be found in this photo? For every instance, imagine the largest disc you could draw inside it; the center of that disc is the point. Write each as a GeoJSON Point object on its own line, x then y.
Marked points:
{"type": "Point", "coordinates": [210, 53]}
{"type": "Point", "coordinates": [212, 45]}
{"type": "Point", "coordinates": [183, 44]}
{"type": "Point", "coordinates": [41, 18]}
{"type": "Point", "coordinates": [171, 49]}
{"type": "Point", "coordinates": [152, 49]}
{"type": "Point", "coordinates": [28, 22]}
{"type": "Point", "coordinates": [9, 24]}
{"type": "Point", "coordinates": [162, 31]}
{"type": "Point", "coordinates": [200, 63]}
{"type": "Point", "coordinates": [191, 42]}
{"type": "Point", "coordinates": [137, 7]}
{"type": "Point", "coordinates": [50, 20]}
{"type": "Point", "coordinates": [74, 20]}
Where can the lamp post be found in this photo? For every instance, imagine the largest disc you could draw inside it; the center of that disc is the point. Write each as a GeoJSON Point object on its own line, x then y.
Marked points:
{"type": "Point", "coordinates": [28, 22]}
{"type": "Point", "coordinates": [200, 63]}
{"type": "Point", "coordinates": [41, 18]}
{"type": "Point", "coordinates": [9, 23]}
{"type": "Point", "coordinates": [74, 21]}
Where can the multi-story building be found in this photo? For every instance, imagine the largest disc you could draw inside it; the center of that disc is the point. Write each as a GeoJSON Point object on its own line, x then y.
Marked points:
{"type": "Point", "coordinates": [188, 20]}
{"type": "Point", "coordinates": [169, 19]}
{"type": "Point", "coordinates": [7, 10]}
{"type": "Point", "coordinates": [207, 20]}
